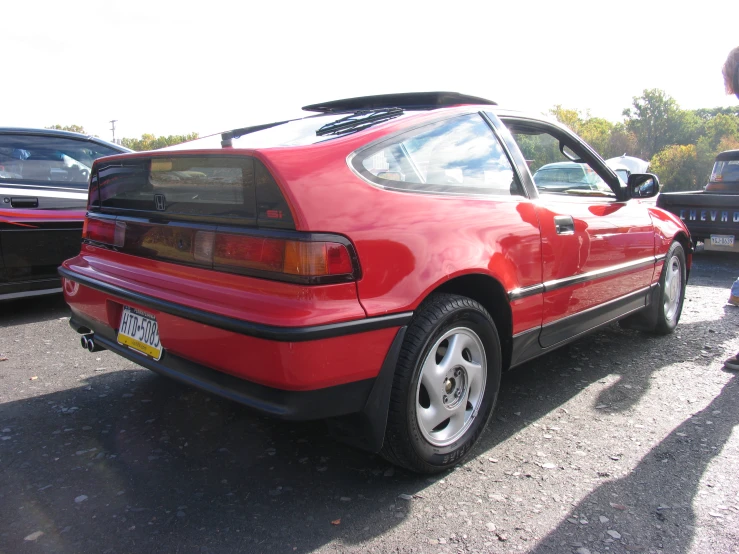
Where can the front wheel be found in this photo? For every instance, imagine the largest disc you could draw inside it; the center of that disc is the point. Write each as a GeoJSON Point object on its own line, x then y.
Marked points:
{"type": "Point", "coordinates": [673, 281]}
{"type": "Point", "coordinates": [445, 386]}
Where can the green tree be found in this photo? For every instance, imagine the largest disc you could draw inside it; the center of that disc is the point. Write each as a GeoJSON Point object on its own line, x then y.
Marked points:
{"type": "Point", "coordinates": [657, 121]}
{"type": "Point", "coordinates": [678, 167]}
{"type": "Point", "coordinates": [595, 131]}
{"type": "Point", "coordinates": [621, 141]}
{"type": "Point", "coordinates": [151, 142]}
{"type": "Point", "coordinates": [571, 118]}
{"type": "Point", "coordinates": [73, 128]}
{"type": "Point", "coordinates": [719, 127]}
{"type": "Point", "coordinates": [709, 113]}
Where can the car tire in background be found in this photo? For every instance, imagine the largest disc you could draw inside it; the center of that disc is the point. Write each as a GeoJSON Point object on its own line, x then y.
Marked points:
{"type": "Point", "coordinates": [445, 386]}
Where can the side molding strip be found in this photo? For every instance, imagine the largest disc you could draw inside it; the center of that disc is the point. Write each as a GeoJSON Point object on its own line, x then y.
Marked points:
{"type": "Point", "coordinates": [555, 284]}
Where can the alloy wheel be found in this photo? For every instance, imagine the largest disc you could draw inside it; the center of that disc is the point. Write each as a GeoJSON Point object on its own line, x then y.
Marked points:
{"type": "Point", "coordinates": [673, 288]}
{"type": "Point", "coordinates": [451, 386]}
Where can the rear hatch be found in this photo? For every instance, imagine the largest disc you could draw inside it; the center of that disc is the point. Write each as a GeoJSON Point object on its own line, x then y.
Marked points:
{"type": "Point", "coordinates": [215, 189]}
{"type": "Point", "coordinates": [221, 212]}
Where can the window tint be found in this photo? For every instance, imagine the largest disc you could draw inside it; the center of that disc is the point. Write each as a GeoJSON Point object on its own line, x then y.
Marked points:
{"type": "Point", "coordinates": [48, 159]}
{"type": "Point", "coordinates": [191, 186]}
{"type": "Point", "coordinates": [458, 156]}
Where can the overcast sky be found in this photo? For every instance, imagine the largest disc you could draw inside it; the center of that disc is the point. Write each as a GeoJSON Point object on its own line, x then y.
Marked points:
{"type": "Point", "coordinates": [177, 67]}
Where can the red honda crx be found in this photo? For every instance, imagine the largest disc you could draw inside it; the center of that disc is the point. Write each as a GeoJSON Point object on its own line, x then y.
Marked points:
{"type": "Point", "coordinates": [377, 265]}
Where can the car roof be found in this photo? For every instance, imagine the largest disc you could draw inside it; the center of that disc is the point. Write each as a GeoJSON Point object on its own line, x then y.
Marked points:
{"type": "Point", "coordinates": [30, 131]}
{"type": "Point", "coordinates": [728, 155]}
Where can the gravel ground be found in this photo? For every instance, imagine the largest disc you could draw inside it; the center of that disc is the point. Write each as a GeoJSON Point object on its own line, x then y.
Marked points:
{"type": "Point", "coordinates": [620, 442]}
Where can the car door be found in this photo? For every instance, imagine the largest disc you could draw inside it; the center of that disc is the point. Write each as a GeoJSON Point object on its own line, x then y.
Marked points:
{"type": "Point", "coordinates": [597, 248]}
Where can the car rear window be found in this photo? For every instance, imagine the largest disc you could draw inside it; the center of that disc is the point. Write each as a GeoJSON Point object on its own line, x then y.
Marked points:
{"type": "Point", "coordinates": [218, 186]}
{"type": "Point", "coordinates": [725, 171]}
{"type": "Point", "coordinates": [48, 159]}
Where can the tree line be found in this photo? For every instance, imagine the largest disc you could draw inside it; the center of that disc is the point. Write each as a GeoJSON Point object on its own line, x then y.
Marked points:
{"type": "Point", "coordinates": [146, 142]}
{"type": "Point", "coordinates": [679, 144]}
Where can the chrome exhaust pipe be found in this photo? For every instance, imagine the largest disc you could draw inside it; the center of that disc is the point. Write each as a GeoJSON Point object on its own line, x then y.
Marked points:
{"type": "Point", "coordinates": [93, 346]}
{"type": "Point", "coordinates": [88, 342]}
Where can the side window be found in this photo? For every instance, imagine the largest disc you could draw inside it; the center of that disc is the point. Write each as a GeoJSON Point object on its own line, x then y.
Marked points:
{"type": "Point", "coordinates": [458, 156]}
{"type": "Point", "coordinates": [48, 158]}
{"type": "Point", "coordinates": [551, 170]}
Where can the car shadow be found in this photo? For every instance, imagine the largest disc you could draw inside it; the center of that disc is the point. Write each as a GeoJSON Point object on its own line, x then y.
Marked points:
{"type": "Point", "coordinates": [32, 310]}
{"type": "Point", "coordinates": [132, 461]}
{"type": "Point", "coordinates": [653, 506]}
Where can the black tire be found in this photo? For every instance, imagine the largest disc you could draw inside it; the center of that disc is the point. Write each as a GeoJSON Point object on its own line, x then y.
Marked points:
{"type": "Point", "coordinates": [406, 443]}
{"type": "Point", "coordinates": [668, 315]}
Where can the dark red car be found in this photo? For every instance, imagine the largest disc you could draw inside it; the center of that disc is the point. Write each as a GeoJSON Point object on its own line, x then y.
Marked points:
{"type": "Point", "coordinates": [377, 265]}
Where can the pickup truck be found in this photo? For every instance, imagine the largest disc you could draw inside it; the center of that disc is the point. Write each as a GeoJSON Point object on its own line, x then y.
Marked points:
{"type": "Point", "coordinates": [711, 214]}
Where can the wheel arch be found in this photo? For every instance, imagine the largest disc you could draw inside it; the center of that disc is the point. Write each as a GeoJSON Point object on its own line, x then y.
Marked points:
{"type": "Point", "coordinates": [489, 292]}
{"type": "Point", "coordinates": [685, 242]}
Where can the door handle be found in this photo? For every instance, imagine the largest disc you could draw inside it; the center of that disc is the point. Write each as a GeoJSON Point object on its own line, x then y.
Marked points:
{"type": "Point", "coordinates": [23, 202]}
{"type": "Point", "coordinates": [564, 225]}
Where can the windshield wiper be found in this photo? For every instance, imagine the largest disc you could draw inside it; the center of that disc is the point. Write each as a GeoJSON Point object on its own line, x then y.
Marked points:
{"type": "Point", "coordinates": [357, 121]}
{"type": "Point", "coordinates": [228, 136]}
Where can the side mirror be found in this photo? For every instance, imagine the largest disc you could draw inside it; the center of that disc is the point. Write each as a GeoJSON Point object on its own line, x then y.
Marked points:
{"type": "Point", "coordinates": [643, 185]}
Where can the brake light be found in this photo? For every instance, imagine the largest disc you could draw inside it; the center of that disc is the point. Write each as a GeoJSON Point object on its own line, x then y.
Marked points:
{"type": "Point", "coordinates": [99, 230]}
{"type": "Point", "coordinates": [248, 252]}
{"type": "Point", "coordinates": [104, 231]}
{"type": "Point", "coordinates": [301, 259]}
{"type": "Point", "coordinates": [290, 257]}
{"type": "Point", "coordinates": [339, 261]}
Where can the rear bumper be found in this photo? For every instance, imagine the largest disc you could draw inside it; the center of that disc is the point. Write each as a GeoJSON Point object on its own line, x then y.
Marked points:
{"type": "Point", "coordinates": [700, 231]}
{"type": "Point", "coordinates": [324, 403]}
{"type": "Point", "coordinates": [294, 373]}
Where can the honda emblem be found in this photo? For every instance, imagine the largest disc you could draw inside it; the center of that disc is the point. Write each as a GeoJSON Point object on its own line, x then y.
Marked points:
{"type": "Point", "coordinates": [160, 202]}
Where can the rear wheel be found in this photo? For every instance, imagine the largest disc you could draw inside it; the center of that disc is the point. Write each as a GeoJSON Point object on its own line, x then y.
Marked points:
{"type": "Point", "coordinates": [445, 386]}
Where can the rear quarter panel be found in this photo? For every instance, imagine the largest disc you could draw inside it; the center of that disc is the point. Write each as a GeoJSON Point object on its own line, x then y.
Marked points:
{"type": "Point", "coordinates": [411, 243]}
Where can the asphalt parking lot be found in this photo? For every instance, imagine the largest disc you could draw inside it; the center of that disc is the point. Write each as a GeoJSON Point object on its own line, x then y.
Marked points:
{"type": "Point", "coordinates": [620, 442]}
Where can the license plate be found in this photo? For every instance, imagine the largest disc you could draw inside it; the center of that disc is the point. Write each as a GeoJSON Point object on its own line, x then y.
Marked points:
{"type": "Point", "coordinates": [722, 240]}
{"type": "Point", "coordinates": [139, 332]}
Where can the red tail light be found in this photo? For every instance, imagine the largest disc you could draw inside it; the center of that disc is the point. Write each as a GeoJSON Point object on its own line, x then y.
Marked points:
{"type": "Point", "coordinates": [99, 230]}
{"type": "Point", "coordinates": [290, 257]}
{"type": "Point", "coordinates": [302, 258]}
{"type": "Point", "coordinates": [248, 252]}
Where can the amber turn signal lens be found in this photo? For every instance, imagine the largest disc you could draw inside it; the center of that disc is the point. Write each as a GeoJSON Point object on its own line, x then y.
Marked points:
{"type": "Point", "coordinates": [305, 258]}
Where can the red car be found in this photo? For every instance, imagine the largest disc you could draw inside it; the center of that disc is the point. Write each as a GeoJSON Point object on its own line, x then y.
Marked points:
{"type": "Point", "coordinates": [377, 265]}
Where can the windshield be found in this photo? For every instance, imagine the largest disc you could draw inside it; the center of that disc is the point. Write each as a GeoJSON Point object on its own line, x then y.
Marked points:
{"type": "Point", "coordinates": [574, 176]}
